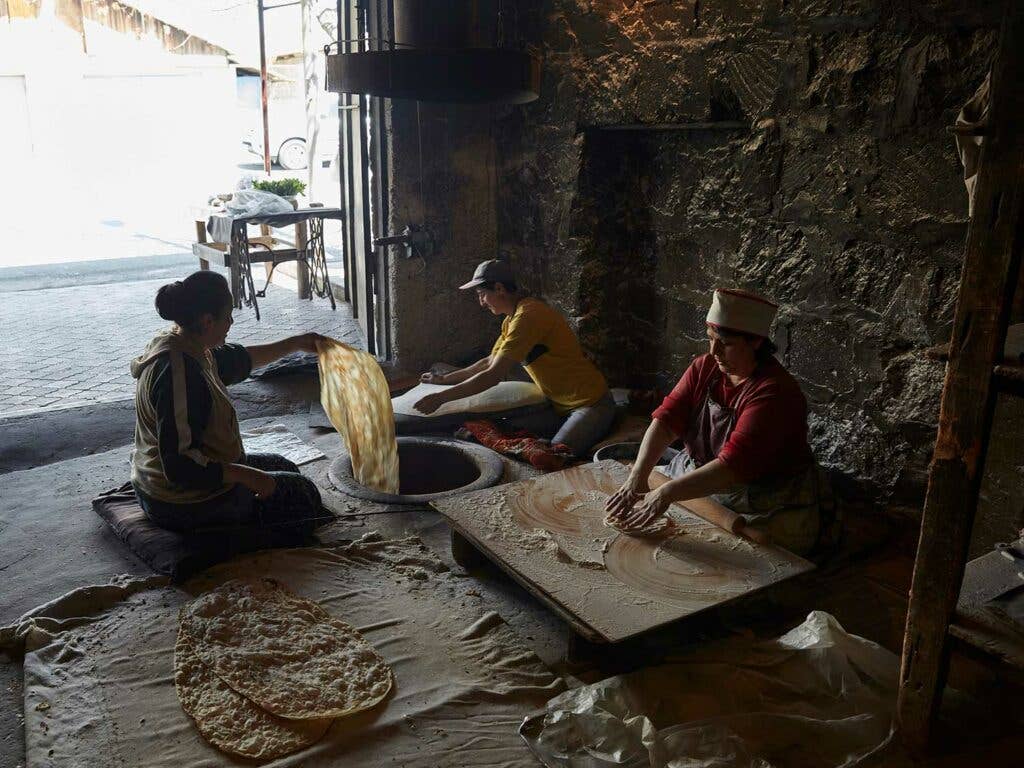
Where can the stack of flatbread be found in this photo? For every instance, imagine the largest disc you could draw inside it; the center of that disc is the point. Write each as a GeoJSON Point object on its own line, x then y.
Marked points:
{"type": "Point", "coordinates": [356, 398]}
{"type": "Point", "coordinates": [264, 673]}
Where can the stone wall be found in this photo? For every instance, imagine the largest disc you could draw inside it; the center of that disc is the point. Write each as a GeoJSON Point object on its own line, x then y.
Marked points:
{"type": "Point", "coordinates": [794, 148]}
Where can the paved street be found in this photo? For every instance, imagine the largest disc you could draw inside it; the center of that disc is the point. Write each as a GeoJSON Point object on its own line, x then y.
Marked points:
{"type": "Point", "coordinates": [67, 347]}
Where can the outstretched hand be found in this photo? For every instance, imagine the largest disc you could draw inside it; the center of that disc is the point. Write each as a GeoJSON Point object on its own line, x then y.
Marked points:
{"type": "Point", "coordinates": [430, 403]}
{"type": "Point", "coordinates": [432, 378]}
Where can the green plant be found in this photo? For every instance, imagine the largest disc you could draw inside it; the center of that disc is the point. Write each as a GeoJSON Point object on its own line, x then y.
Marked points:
{"type": "Point", "coordinates": [282, 187]}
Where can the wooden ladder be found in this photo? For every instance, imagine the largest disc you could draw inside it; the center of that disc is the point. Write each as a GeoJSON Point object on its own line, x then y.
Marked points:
{"type": "Point", "coordinates": [975, 375]}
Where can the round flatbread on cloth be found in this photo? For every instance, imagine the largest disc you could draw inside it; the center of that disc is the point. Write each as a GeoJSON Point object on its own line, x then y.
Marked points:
{"type": "Point", "coordinates": [286, 654]}
{"type": "Point", "coordinates": [230, 721]}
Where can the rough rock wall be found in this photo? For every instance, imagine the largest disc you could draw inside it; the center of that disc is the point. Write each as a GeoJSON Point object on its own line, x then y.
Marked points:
{"type": "Point", "coordinates": [839, 195]}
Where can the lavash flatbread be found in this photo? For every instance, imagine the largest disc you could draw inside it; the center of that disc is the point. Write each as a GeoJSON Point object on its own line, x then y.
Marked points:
{"type": "Point", "coordinates": [287, 655]}
{"type": "Point", "coordinates": [356, 398]}
{"type": "Point", "coordinates": [230, 721]}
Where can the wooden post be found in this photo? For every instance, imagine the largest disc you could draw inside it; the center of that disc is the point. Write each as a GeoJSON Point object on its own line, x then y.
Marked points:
{"type": "Point", "coordinates": [201, 238]}
{"type": "Point", "coordinates": [268, 266]}
{"type": "Point", "coordinates": [303, 287]}
{"type": "Point", "coordinates": [987, 284]}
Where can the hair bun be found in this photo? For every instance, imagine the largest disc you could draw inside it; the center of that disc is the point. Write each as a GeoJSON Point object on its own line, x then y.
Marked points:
{"type": "Point", "coordinates": [184, 302]}
{"type": "Point", "coordinates": [168, 301]}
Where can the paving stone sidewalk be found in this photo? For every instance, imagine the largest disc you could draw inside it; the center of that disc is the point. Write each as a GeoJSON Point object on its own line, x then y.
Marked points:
{"type": "Point", "coordinates": [68, 347]}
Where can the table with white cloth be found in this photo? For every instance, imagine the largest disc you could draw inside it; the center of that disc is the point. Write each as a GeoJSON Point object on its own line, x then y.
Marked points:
{"type": "Point", "coordinates": [224, 240]}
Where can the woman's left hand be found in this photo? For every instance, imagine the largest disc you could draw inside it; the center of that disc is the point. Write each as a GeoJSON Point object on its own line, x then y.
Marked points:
{"type": "Point", "coordinates": [645, 514]}
{"type": "Point", "coordinates": [430, 403]}
{"type": "Point", "coordinates": [306, 342]}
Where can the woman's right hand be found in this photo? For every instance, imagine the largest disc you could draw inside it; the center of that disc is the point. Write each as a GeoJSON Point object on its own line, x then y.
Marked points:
{"type": "Point", "coordinates": [432, 378]}
{"type": "Point", "coordinates": [262, 484]}
{"type": "Point", "coordinates": [624, 499]}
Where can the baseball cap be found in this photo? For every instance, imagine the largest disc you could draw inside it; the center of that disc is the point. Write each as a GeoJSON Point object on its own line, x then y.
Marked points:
{"type": "Point", "coordinates": [493, 271]}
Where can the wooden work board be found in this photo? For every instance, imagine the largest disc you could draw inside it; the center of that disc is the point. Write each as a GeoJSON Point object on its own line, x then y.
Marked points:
{"type": "Point", "coordinates": [548, 534]}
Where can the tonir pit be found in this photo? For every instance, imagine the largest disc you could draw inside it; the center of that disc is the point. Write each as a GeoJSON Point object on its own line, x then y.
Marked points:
{"type": "Point", "coordinates": [428, 469]}
{"type": "Point", "coordinates": [545, 533]}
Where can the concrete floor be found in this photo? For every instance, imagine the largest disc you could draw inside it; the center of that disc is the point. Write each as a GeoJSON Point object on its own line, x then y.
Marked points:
{"type": "Point", "coordinates": [68, 347]}
{"type": "Point", "coordinates": [51, 542]}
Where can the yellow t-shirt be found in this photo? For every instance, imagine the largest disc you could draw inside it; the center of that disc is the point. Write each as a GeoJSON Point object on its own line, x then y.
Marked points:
{"type": "Point", "coordinates": [537, 336]}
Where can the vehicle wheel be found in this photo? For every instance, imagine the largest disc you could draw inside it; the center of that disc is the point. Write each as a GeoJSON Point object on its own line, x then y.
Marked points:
{"type": "Point", "coordinates": [292, 155]}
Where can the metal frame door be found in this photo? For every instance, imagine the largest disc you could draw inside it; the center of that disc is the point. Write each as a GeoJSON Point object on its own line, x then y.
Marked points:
{"type": "Point", "coordinates": [364, 178]}
{"type": "Point", "coordinates": [381, 26]}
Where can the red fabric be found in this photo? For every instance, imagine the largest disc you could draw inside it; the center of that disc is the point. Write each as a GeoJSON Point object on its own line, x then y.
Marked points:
{"type": "Point", "coordinates": [769, 438]}
{"type": "Point", "coordinates": [520, 445]}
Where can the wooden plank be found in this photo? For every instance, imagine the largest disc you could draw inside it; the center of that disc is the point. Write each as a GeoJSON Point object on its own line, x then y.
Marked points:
{"type": "Point", "coordinates": [1009, 375]}
{"type": "Point", "coordinates": [578, 626]}
{"type": "Point", "coordinates": [302, 285]}
{"type": "Point", "coordinates": [201, 238]}
{"type": "Point", "coordinates": [548, 533]}
{"type": "Point", "coordinates": [987, 283]}
{"type": "Point", "coordinates": [220, 254]}
{"type": "Point", "coordinates": [208, 252]}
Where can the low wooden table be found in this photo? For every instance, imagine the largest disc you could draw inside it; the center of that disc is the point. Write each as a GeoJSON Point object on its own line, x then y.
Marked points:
{"type": "Point", "coordinates": [307, 251]}
{"type": "Point", "coordinates": [548, 534]}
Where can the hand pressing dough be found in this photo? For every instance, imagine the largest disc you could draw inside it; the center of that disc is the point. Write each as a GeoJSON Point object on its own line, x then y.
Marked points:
{"type": "Point", "coordinates": [659, 526]}
{"type": "Point", "coordinates": [285, 654]}
{"type": "Point", "coordinates": [355, 396]}
{"type": "Point", "coordinates": [231, 722]}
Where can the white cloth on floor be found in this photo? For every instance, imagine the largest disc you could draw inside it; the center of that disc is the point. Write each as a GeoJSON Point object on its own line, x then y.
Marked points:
{"type": "Point", "coordinates": [275, 438]}
{"type": "Point", "coordinates": [103, 694]}
{"type": "Point", "coordinates": [815, 696]}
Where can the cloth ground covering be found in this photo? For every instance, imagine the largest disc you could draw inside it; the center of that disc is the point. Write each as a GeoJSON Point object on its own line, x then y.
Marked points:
{"type": "Point", "coordinates": [504, 400]}
{"type": "Point", "coordinates": [101, 692]}
{"type": "Point", "coordinates": [296, 362]}
{"type": "Point", "coordinates": [816, 696]}
{"type": "Point", "coordinates": [175, 555]}
{"type": "Point", "coordinates": [276, 438]}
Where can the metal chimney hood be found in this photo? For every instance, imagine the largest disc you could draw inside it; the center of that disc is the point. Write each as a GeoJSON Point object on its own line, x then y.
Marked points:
{"type": "Point", "coordinates": [440, 52]}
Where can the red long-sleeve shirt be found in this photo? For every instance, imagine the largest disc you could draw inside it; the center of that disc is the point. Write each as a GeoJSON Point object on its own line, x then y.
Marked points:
{"type": "Point", "coordinates": [769, 438]}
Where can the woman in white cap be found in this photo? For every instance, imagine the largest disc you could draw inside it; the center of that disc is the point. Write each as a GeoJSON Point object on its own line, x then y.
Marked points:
{"type": "Point", "coordinates": [536, 336]}
{"type": "Point", "coordinates": [743, 422]}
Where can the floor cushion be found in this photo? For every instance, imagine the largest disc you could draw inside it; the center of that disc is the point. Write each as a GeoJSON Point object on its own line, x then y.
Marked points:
{"type": "Point", "coordinates": [173, 554]}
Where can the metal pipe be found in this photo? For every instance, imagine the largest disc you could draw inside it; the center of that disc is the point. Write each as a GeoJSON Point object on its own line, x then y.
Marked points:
{"type": "Point", "coordinates": [264, 90]}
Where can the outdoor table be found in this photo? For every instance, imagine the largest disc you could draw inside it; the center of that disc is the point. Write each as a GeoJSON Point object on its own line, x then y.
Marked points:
{"type": "Point", "coordinates": [307, 251]}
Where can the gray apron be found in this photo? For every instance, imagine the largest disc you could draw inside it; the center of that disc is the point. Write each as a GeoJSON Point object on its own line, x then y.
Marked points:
{"type": "Point", "coordinates": [788, 508]}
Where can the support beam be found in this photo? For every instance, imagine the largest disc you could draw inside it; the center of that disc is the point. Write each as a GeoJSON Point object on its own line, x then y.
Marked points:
{"type": "Point", "coordinates": [987, 284]}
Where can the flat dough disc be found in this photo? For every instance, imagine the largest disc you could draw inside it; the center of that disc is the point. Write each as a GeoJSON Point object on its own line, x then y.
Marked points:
{"type": "Point", "coordinates": [356, 399]}
{"type": "Point", "coordinates": [287, 655]}
{"type": "Point", "coordinates": [230, 721]}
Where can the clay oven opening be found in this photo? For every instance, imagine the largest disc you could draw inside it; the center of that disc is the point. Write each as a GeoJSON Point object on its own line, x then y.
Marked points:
{"type": "Point", "coordinates": [429, 468]}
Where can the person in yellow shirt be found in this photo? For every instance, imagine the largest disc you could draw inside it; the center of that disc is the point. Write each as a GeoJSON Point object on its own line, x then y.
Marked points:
{"type": "Point", "coordinates": [536, 336]}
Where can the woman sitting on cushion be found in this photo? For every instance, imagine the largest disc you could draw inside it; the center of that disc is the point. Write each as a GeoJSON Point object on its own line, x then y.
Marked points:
{"type": "Point", "coordinates": [537, 336]}
{"type": "Point", "coordinates": [743, 422]}
{"type": "Point", "coordinates": [189, 469]}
